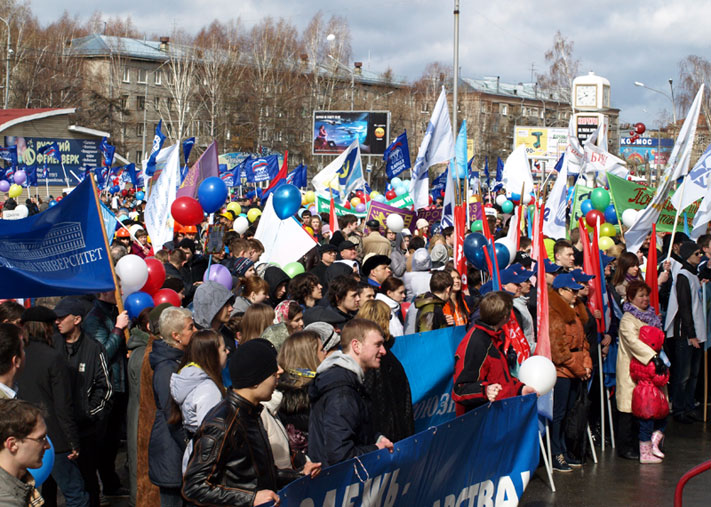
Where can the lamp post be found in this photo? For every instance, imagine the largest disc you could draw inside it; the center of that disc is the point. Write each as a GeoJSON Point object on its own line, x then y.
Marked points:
{"type": "Point", "coordinates": [347, 69]}
{"type": "Point", "coordinates": [669, 97]}
{"type": "Point", "coordinates": [7, 62]}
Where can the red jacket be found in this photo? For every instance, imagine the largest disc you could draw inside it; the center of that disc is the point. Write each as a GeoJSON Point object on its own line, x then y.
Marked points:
{"type": "Point", "coordinates": [648, 399]}
{"type": "Point", "coordinates": [480, 361]}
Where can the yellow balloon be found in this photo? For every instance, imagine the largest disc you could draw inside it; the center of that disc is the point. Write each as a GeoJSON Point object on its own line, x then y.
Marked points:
{"type": "Point", "coordinates": [310, 196]}
{"type": "Point", "coordinates": [549, 243]}
{"type": "Point", "coordinates": [15, 190]}
{"type": "Point", "coordinates": [608, 230]}
{"type": "Point", "coordinates": [234, 208]}
{"type": "Point", "coordinates": [605, 242]}
{"type": "Point", "coordinates": [309, 230]}
{"type": "Point", "coordinates": [355, 201]}
{"type": "Point", "coordinates": [253, 214]}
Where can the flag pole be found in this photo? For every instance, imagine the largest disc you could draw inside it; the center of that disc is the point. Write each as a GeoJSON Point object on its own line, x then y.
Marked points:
{"type": "Point", "coordinates": [117, 286]}
{"type": "Point", "coordinates": [706, 354]}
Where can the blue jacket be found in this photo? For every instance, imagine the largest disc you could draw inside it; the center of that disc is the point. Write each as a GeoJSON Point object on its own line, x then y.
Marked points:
{"type": "Point", "coordinates": [99, 324]}
{"type": "Point", "coordinates": [339, 422]}
{"type": "Point", "coordinates": [167, 442]}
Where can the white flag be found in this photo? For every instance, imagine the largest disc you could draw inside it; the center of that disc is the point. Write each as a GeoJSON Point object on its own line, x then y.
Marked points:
{"type": "Point", "coordinates": [696, 184]}
{"type": "Point", "coordinates": [678, 166]}
{"type": "Point", "coordinates": [344, 174]}
{"type": "Point", "coordinates": [600, 162]}
{"type": "Point", "coordinates": [702, 218]}
{"type": "Point", "coordinates": [437, 147]}
{"type": "Point", "coordinates": [556, 206]}
{"type": "Point", "coordinates": [574, 155]}
{"type": "Point", "coordinates": [517, 172]}
{"type": "Point", "coordinates": [159, 223]}
{"type": "Point", "coordinates": [285, 240]}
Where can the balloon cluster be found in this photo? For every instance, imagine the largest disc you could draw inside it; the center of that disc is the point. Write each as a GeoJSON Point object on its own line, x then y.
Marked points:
{"type": "Point", "coordinates": [212, 194]}
{"type": "Point", "coordinates": [598, 209]}
{"type": "Point", "coordinates": [398, 188]}
{"type": "Point", "coordinates": [475, 244]}
{"type": "Point", "coordinates": [507, 203]}
{"type": "Point", "coordinates": [639, 129]}
{"type": "Point", "coordinates": [358, 201]}
{"type": "Point", "coordinates": [141, 282]}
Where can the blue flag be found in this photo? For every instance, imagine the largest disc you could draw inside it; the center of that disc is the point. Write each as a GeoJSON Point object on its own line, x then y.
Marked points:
{"type": "Point", "coordinates": [486, 171]}
{"type": "Point", "coordinates": [239, 172]}
{"type": "Point", "coordinates": [187, 148]}
{"type": "Point", "coordinates": [262, 169]}
{"type": "Point", "coordinates": [102, 174]}
{"type": "Point", "coordinates": [31, 180]}
{"type": "Point", "coordinates": [58, 252]}
{"type": "Point", "coordinates": [9, 154]}
{"type": "Point", "coordinates": [297, 177]}
{"type": "Point", "coordinates": [499, 174]}
{"type": "Point", "coordinates": [107, 151]}
{"type": "Point", "coordinates": [135, 176]}
{"type": "Point", "coordinates": [439, 184]}
{"type": "Point", "coordinates": [470, 168]}
{"type": "Point", "coordinates": [158, 140]}
{"type": "Point", "coordinates": [559, 164]}
{"type": "Point", "coordinates": [397, 156]}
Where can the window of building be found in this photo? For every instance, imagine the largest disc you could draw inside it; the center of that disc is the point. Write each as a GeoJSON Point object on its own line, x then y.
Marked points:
{"type": "Point", "coordinates": [158, 77]}
{"type": "Point", "coordinates": [126, 75]}
{"type": "Point", "coordinates": [124, 101]}
{"type": "Point", "coordinates": [142, 76]}
{"type": "Point", "coordinates": [139, 157]}
{"type": "Point", "coordinates": [156, 103]}
{"type": "Point", "coordinates": [533, 111]}
{"type": "Point", "coordinates": [169, 103]}
{"type": "Point", "coordinates": [140, 102]}
{"type": "Point", "coordinates": [139, 130]}
{"type": "Point", "coordinates": [503, 109]}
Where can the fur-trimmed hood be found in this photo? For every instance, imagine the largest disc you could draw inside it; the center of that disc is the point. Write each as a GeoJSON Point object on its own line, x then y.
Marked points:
{"type": "Point", "coordinates": [564, 310]}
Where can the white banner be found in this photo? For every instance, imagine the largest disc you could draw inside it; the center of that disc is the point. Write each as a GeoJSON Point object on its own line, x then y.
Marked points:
{"type": "Point", "coordinates": [159, 223]}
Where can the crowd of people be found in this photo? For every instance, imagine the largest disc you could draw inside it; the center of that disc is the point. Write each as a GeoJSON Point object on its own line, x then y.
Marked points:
{"type": "Point", "coordinates": [229, 397]}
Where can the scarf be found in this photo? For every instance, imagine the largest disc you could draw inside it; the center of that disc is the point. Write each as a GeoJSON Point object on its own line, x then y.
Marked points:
{"type": "Point", "coordinates": [649, 316]}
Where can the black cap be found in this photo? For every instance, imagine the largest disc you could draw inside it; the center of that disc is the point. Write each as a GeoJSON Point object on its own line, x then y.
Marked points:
{"type": "Point", "coordinates": [252, 362]}
{"type": "Point", "coordinates": [687, 249]}
{"type": "Point", "coordinates": [373, 225]}
{"type": "Point", "coordinates": [327, 248]}
{"type": "Point", "coordinates": [323, 314]}
{"type": "Point", "coordinates": [187, 243]}
{"type": "Point", "coordinates": [373, 262]}
{"type": "Point", "coordinates": [70, 306]}
{"type": "Point", "coordinates": [38, 314]}
{"type": "Point", "coordinates": [346, 245]}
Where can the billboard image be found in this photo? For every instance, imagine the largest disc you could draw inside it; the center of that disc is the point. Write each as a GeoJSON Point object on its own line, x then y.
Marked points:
{"type": "Point", "coordinates": [646, 150]}
{"type": "Point", "coordinates": [334, 131]}
{"type": "Point", "coordinates": [541, 142]}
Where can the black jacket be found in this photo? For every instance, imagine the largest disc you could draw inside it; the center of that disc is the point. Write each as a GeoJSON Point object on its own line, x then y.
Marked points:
{"type": "Point", "coordinates": [275, 276]}
{"type": "Point", "coordinates": [89, 375]}
{"type": "Point", "coordinates": [339, 424]}
{"type": "Point", "coordinates": [231, 458]}
{"type": "Point", "coordinates": [44, 381]}
{"type": "Point", "coordinates": [684, 319]}
{"type": "Point", "coordinates": [167, 442]}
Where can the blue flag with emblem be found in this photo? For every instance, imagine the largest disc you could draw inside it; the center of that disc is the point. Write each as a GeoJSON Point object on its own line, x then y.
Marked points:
{"type": "Point", "coordinates": [107, 152]}
{"type": "Point", "coordinates": [397, 156]}
{"type": "Point", "coordinates": [158, 140]}
{"type": "Point", "coordinates": [9, 154]}
{"type": "Point", "coordinates": [187, 148]}
{"type": "Point", "coordinates": [31, 179]}
{"type": "Point", "coordinates": [297, 177]}
{"type": "Point", "coordinates": [58, 252]}
{"type": "Point", "coordinates": [239, 172]}
{"type": "Point", "coordinates": [262, 169]}
{"type": "Point", "coordinates": [486, 171]}
{"type": "Point", "coordinates": [499, 174]}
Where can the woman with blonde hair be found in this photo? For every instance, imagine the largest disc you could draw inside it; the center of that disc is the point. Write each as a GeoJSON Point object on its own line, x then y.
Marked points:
{"type": "Point", "coordinates": [255, 320]}
{"type": "Point", "coordinates": [388, 386]}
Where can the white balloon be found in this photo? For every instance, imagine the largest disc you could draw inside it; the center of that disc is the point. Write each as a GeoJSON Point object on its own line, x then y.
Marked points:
{"type": "Point", "coordinates": [23, 210]}
{"type": "Point", "coordinates": [500, 199]}
{"type": "Point", "coordinates": [539, 373]}
{"type": "Point", "coordinates": [629, 217]}
{"type": "Point", "coordinates": [395, 223]}
{"type": "Point", "coordinates": [510, 246]}
{"type": "Point", "coordinates": [133, 229]}
{"type": "Point", "coordinates": [395, 182]}
{"type": "Point", "coordinates": [132, 271]}
{"type": "Point", "coordinates": [240, 225]}
{"type": "Point", "coordinates": [527, 198]}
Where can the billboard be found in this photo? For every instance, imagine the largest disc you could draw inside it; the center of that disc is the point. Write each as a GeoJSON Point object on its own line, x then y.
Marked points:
{"type": "Point", "coordinates": [541, 142]}
{"type": "Point", "coordinates": [334, 131]}
{"type": "Point", "coordinates": [644, 150]}
{"type": "Point", "coordinates": [586, 124]}
{"type": "Point", "coordinates": [77, 156]}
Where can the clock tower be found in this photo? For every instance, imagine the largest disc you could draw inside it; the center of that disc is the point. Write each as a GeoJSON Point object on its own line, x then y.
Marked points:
{"type": "Point", "coordinates": [591, 97]}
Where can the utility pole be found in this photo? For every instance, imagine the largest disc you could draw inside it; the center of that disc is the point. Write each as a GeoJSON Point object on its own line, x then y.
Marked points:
{"type": "Point", "coordinates": [7, 62]}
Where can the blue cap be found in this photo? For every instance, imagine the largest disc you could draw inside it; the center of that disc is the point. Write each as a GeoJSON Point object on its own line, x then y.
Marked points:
{"type": "Point", "coordinates": [566, 281]}
{"type": "Point", "coordinates": [581, 277]}
{"type": "Point", "coordinates": [515, 274]}
{"type": "Point", "coordinates": [486, 288]}
{"type": "Point", "coordinates": [551, 267]}
{"type": "Point", "coordinates": [606, 259]}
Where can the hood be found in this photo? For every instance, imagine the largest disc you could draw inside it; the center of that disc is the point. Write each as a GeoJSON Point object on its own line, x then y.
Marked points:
{"type": "Point", "coordinates": [138, 338]}
{"type": "Point", "coordinates": [274, 276]}
{"type": "Point", "coordinates": [162, 352]}
{"type": "Point", "coordinates": [398, 243]}
{"type": "Point", "coordinates": [185, 381]}
{"type": "Point", "coordinates": [387, 300]}
{"type": "Point", "coordinates": [338, 358]}
{"type": "Point", "coordinates": [421, 260]}
{"type": "Point", "coordinates": [337, 269]}
{"type": "Point", "coordinates": [427, 299]}
{"type": "Point", "coordinates": [209, 298]}
{"type": "Point", "coordinates": [272, 406]}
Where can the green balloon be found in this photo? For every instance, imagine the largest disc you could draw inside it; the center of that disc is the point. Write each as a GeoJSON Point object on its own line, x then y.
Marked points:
{"type": "Point", "coordinates": [293, 268]}
{"type": "Point", "coordinates": [600, 199]}
{"type": "Point", "coordinates": [507, 207]}
{"type": "Point", "coordinates": [477, 226]}
{"type": "Point", "coordinates": [532, 209]}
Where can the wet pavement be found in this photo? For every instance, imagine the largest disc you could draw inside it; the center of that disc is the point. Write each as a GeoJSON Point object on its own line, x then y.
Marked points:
{"type": "Point", "coordinates": [617, 482]}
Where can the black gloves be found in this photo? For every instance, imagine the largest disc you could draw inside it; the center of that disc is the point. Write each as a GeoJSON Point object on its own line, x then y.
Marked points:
{"type": "Point", "coordinates": [659, 367]}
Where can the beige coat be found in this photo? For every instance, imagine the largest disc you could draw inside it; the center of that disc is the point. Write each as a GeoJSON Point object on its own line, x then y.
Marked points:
{"type": "Point", "coordinates": [374, 243]}
{"type": "Point", "coordinates": [630, 346]}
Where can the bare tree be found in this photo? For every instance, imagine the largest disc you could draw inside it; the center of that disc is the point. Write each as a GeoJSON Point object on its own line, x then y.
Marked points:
{"type": "Point", "coordinates": [563, 68]}
{"type": "Point", "coordinates": [180, 68]}
{"type": "Point", "coordinates": [693, 72]}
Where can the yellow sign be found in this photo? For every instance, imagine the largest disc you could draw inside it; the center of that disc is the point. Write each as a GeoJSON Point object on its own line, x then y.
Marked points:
{"type": "Point", "coordinates": [541, 142]}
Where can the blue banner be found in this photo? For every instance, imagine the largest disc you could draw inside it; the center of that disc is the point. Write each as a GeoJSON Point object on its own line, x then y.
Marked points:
{"type": "Point", "coordinates": [397, 156]}
{"type": "Point", "coordinates": [262, 169]}
{"type": "Point", "coordinates": [484, 458]}
{"type": "Point", "coordinates": [428, 359]}
{"type": "Point", "coordinates": [297, 177]}
{"type": "Point", "coordinates": [58, 252]}
{"type": "Point", "coordinates": [76, 154]}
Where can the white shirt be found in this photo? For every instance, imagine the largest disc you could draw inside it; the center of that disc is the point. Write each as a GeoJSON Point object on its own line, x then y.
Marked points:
{"type": "Point", "coordinates": [10, 393]}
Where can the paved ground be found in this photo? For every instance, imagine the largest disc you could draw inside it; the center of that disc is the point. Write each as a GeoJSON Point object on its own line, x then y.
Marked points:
{"type": "Point", "coordinates": [617, 482]}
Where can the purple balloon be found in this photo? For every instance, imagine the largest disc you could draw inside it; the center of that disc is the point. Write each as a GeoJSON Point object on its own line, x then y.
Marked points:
{"type": "Point", "coordinates": [313, 209]}
{"type": "Point", "coordinates": [360, 208]}
{"type": "Point", "coordinates": [20, 177]}
{"type": "Point", "coordinates": [4, 186]}
{"type": "Point", "coordinates": [220, 274]}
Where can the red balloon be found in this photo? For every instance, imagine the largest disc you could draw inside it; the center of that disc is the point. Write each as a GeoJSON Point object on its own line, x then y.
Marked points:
{"type": "Point", "coordinates": [58, 198]}
{"type": "Point", "coordinates": [167, 296]}
{"type": "Point", "coordinates": [390, 195]}
{"type": "Point", "coordinates": [359, 193]}
{"type": "Point", "coordinates": [640, 128]}
{"type": "Point", "coordinates": [592, 217]}
{"type": "Point", "coordinates": [187, 211]}
{"type": "Point", "coordinates": [124, 192]}
{"type": "Point", "coordinates": [156, 276]}
{"type": "Point", "coordinates": [347, 205]}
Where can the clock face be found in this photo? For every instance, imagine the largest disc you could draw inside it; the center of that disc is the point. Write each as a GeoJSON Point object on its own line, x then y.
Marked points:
{"type": "Point", "coordinates": [586, 95]}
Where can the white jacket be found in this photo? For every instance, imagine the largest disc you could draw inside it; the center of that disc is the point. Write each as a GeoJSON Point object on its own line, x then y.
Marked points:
{"type": "Point", "coordinates": [396, 327]}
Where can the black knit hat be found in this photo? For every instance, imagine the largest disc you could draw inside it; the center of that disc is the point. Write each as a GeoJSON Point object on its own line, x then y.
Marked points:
{"type": "Point", "coordinates": [38, 314]}
{"type": "Point", "coordinates": [687, 248]}
{"type": "Point", "coordinates": [252, 363]}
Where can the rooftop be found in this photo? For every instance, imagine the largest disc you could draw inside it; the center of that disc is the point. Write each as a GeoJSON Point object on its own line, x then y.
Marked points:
{"type": "Point", "coordinates": [493, 85]}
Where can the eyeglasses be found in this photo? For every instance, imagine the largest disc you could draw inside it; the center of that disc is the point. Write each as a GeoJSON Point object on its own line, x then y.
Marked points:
{"type": "Point", "coordinates": [698, 254]}
{"type": "Point", "coordinates": [41, 440]}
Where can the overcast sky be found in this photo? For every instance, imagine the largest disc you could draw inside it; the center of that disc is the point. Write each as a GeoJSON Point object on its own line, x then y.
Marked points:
{"type": "Point", "coordinates": [625, 41]}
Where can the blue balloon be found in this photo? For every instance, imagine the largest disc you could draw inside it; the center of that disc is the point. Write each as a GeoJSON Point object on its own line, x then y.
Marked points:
{"type": "Point", "coordinates": [395, 182]}
{"type": "Point", "coordinates": [480, 260]}
{"type": "Point", "coordinates": [136, 302]}
{"type": "Point", "coordinates": [401, 190]}
{"type": "Point", "coordinates": [114, 189]}
{"type": "Point", "coordinates": [42, 473]}
{"type": "Point", "coordinates": [515, 197]}
{"type": "Point", "coordinates": [140, 195]}
{"type": "Point", "coordinates": [502, 255]}
{"type": "Point", "coordinates": [212, 194]}
{"type": "Point", "coordinates": [287, 200]}
{"type": "Point", "coordinates": [52, 203]}
{"type": "Point", "coordinates": [380, 198]}
{"type": "Point", "coordinates": [473, 243]}
{"type": "Point", "coordinates": [611, 215]}
{"type": "Point", "coordinates": [586, 206]}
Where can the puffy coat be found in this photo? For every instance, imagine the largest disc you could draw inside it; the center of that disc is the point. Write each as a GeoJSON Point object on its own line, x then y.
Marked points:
{"type": "Point", "coordinates": [195, 393]}
{"type": "Point", "coordinates": [569, 347]}
{"type": "Point", "coordinates": [648, 399]}
{"type": "Point", "coordinates": [167, 442]}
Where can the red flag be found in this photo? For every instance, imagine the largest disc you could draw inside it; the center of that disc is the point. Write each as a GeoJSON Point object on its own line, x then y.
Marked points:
{"type": "Point", "coordinates": [543, 345]}
{"type": "Point", "coordinates": [652, 275]}
{"type": "Point", "coordinates": [332, 219]}
{"type": "Point", "coordinates": [514, 336]}
{"type": "Point", "coordinates": [460, 225]}
{"type": "Point", "coordinates": [281, 175]}
{"type": "Point", "coordinates": [590, 260]}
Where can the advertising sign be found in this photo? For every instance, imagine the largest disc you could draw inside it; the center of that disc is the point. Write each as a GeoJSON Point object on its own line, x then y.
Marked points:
{"type": "Point", "coordinates": [645, 150]}
{"type": "Point", "coordinates": [541, 142]}
{"type": "Point", "coordinates": [77, 155]}
{"type": "Point", "coordinates": [586, 125]}
{"type": "Point", "coordinates": [334, 131]}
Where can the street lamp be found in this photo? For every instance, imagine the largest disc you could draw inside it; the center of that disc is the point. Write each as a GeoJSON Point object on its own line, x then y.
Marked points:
{"type": "Point", "coordinates": [7, 61]}
{"type": "Point", "coordinates": [669, 97]}
{"type": "Point", "coordinates": [347, 69]}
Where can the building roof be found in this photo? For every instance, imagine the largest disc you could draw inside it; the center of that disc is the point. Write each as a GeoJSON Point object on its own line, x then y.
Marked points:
{"type": "Point", "coordinates": [10, 117]}
{"type": "Point", "coordinates": [494, 86]}
{"type": "Point", "coordinates": [107, 45]}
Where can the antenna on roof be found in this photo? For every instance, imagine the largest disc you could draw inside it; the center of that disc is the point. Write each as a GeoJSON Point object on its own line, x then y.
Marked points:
{"type": "Point", "coordinates": [104, 28]}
